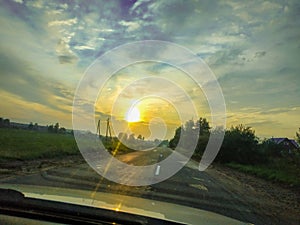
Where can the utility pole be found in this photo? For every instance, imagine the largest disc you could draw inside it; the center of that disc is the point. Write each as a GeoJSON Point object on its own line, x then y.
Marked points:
{"type": "Point", "coordinates": [98, 129]}
{"type": "Point", "coordinates": [108, 130]}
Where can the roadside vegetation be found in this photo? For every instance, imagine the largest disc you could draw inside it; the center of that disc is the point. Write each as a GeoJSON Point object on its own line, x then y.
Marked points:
{"type": "Point", "coordinates": [242, 150]}
{"type": "Point", "coordinates": [31, 142]}
{"type": "Point", "coordinates": [18, 144]}
{"type": "Point", "coordinates": [278, 171]}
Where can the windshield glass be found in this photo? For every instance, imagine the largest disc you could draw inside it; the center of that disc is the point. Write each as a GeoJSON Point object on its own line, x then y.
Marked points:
{"type": "Point", "coordinates": [184, 111]}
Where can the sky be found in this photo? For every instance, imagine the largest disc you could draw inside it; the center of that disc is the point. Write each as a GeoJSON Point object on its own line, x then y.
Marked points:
{"type": "Point", "coordinates": [252, 48]}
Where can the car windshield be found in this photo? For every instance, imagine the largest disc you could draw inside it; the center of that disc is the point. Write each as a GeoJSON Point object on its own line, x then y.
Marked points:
{"type": "Point", "coordinates": [176, 111]}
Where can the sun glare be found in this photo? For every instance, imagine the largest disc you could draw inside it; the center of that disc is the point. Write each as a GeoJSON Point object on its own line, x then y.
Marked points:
{"type": "Point", "coordinates": [133, 115]}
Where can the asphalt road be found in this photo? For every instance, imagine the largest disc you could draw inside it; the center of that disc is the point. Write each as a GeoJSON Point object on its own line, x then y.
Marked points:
{"type": "Point", "coordinates": [189, 186]}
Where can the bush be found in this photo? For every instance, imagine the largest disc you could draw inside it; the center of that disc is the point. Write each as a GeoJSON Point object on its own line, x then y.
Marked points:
{"type": "Point", "coordinates": [240, 145]}
{"type": "Point", "coordinates": [271, 149]}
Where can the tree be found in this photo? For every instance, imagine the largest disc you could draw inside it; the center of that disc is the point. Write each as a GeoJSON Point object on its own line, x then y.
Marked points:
{"type": "Point", "coordinates": [203, 126]}
{"type": "Point", "coordinates": [192, 133]}
{"type": "Point", "coordinates": [164, 143]}
{"type": "Point", "coordinates": [6, 123]}
{"type": "Point", "coordinates": [174, 141]}
{"type": "Point", "coordinates": [62, 130]}
{"type": "Point", "coordinates": [201, 145]}
{"type": "Point", "coordinates": [240, 145]}
{"type": "Point", "coordinates": [298, 136]}
{"type": "Point", "coordinates": [204, 132]}
{"type": "Point", "coordinates": [271, 149]}
{"type": "Point", "coordinates": [50, 129]}
{"type": "Point", "coordinates": [140, 137]}
{"type": "Point", "coordinates": [56, 128]}
{"type": "Point", "coordinates": [30, 126]}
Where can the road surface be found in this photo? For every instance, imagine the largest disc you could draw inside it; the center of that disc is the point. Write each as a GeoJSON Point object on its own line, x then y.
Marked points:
{"type": "Point", "coordinates": [189, 186]}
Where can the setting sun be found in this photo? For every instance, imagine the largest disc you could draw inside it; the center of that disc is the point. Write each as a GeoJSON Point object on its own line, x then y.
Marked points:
{"type": "Point", "coordinates": [133, 115]}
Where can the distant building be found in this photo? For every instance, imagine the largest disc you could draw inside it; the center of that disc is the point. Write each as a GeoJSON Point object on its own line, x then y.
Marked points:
{"type": "Point", "coordinates": [289, 144]}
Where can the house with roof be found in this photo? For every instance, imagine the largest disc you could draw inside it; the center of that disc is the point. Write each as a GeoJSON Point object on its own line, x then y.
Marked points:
{"type": "Point", "coordinates": [288, 144]}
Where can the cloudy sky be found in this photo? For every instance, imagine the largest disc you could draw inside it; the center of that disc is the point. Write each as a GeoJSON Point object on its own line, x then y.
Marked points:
{"type": "Point", "coordinates": [252, 47]}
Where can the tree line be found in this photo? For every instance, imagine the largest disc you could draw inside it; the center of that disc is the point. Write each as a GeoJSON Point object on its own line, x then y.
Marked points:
{"type": "Point", "coordinates": [54, 128]}
{"type": "Point", "coordinates": [240, 143]}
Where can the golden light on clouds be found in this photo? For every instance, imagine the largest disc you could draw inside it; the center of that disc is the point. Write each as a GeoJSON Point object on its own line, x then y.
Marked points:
{"type": "Point", "coordinates": [142, 99]}
{"type": "Point", "coordinates": [152, 115]}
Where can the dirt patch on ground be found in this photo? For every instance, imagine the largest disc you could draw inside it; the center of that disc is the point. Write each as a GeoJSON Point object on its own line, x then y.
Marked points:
{"type": "Point", "coordinates": [277, 201]}
{"type": "Point", "coordinates": [19, 167]}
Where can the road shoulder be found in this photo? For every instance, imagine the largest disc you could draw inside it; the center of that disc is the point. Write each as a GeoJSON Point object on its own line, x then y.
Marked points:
{"type": "Point", "coordinates": [266, 198]}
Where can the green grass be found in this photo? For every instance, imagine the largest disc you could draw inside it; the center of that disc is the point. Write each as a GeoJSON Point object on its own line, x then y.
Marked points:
{"type": "Point", "coordinates": [17, 144]}
{"type": "Point", "coordinates": [279, 171]}
{"type": "Point", "coordinates": [27, 145]}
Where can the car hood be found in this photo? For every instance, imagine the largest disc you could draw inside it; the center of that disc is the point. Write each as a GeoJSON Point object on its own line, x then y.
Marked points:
{"type": "Point", "coordinates": [123, 203]}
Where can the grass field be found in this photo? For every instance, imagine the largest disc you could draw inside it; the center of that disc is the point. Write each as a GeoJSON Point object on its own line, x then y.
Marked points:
{"type": "Point", "coordinates": [278, 171]}
{"type": "Point", "coordinates": [27, 145]}
{"type": "Point", "coordinates": [17, 144]}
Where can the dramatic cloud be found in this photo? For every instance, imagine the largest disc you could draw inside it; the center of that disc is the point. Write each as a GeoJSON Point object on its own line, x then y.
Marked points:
{"type": "Point", "coordinates": [251, 46]}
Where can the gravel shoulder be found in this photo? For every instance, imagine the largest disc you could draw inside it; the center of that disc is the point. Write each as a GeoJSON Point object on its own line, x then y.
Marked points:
{"type": "Point", "coordinates": [279, 202]}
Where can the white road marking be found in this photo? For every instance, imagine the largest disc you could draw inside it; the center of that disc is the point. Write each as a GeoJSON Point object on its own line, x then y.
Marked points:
{"type": "Point", "coordinates": [196, 178]}
{"type": "Point", "coordinates": [157, 170]}
{"type": "Point", "coordinates": [199, 186]}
